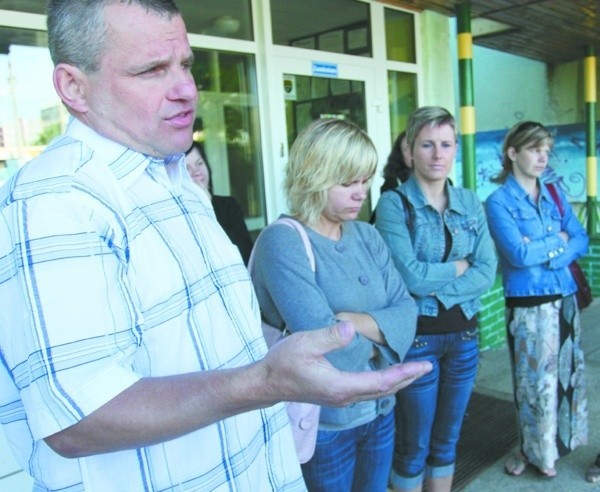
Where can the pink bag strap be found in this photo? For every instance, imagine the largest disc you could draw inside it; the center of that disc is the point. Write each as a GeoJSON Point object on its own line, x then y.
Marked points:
{"type": "Point", "coordinates": [293, 223]}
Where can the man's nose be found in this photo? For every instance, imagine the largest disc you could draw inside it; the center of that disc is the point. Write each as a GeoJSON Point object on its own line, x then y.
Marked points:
{"type": "Point", "coordinates": [184, 87]}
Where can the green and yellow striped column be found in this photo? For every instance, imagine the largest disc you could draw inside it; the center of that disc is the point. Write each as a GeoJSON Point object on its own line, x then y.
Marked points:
{"type": "Point", "coordinates": [591, 161]}
{"type": "Point", "coordinates": [467, 107]}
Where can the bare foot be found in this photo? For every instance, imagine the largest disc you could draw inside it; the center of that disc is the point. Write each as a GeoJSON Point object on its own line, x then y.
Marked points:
{"type": "Point", "coordinates": [550, 473]}
{"type": "Point", "coordinates": [593, 473]}
{"type": "Point", "coordinates": [515, 465]}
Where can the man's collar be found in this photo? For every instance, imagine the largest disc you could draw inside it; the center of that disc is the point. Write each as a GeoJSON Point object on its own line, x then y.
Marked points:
{"type": "Point", "coordinates": [126, 164]}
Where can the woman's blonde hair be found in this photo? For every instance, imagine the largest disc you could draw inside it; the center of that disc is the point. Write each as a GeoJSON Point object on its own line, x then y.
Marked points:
{"type": "Point", "coordinates": [528, 134]}
{"type": "Point", "coordinates": [326, 153]}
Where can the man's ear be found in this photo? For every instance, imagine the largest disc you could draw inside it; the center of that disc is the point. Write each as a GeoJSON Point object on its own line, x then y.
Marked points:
{"type": "Point", "coordinates": [70, 84]}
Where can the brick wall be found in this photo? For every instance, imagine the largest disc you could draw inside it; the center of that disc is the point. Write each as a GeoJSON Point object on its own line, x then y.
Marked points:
{"type": "Point", "coordinates": [591, 265]}
{"type": "Point", "coordinates": [492, 328]}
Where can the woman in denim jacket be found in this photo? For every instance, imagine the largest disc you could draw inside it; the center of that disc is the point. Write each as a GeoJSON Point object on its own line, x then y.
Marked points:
{"type": "Point", "coordinates": [441, 245]}
{"type": "Point", "coordinates": [536, 244]}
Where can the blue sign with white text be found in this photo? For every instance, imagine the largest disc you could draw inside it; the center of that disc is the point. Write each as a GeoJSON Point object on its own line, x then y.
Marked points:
{"type": "Point", "coordinates": [325, 69]}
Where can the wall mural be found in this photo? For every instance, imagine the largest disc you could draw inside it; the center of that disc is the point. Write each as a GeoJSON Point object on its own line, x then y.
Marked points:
{"type": "Point", "coordinates": [566, 167]}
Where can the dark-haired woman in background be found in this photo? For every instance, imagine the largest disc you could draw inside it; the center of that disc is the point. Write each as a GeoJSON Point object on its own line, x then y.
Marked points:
{"type": "Point", "coordinates": [228, 210]}
{"type": "Point", "coordinates": [397, 168]}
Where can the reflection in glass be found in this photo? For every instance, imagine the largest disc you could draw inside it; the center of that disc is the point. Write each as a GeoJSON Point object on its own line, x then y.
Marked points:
{"type": "Point", "coordinates": [310, 98]}
{"type": "Point", "coordinates": [402, 90]}
{"type": "Point", "coordinates": [31, 113]}
{"type": "Point", "coordinates": [400, 36]}
{"type": "Point", "coordinates": [31, 6]}
{"type": "Point", "coordinates": [223, 18]}
{"type": "Point", "coordinates": [337, 26]}
{"type": "Point", "coordinates": [228, 125]}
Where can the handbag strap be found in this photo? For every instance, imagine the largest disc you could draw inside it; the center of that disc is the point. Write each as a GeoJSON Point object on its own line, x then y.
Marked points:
{"type": "Point", "coordinates": [294, 224]}
{"type": "Point", "coordinates": [406, 206]}
{"type": "Point", "coordinates": [556, 198]}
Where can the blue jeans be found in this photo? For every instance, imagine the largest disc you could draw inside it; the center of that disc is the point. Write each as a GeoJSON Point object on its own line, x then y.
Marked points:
{"type": "Point", "coordinates": [429, 412]}
{"type": "Point", "coordinates": [357, 459]}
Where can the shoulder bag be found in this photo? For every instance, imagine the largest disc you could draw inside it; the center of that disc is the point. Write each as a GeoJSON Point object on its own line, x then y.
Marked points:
{"type": "Point", "coordinates": [304, 417]}
{"type": "Point", "coordinates": [584, 292]}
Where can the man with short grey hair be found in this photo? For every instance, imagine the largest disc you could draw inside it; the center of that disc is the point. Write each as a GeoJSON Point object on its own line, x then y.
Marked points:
{"type": "Point", "coordinates": [132, 356]}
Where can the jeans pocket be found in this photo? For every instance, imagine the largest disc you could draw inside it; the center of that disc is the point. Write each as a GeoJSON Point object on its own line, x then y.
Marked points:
{"type": "Point", "coordinates": [325, 437]}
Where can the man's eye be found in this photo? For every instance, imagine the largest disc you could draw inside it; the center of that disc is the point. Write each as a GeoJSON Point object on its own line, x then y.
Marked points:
{"type": "Point", "coordinates": [153, 71]}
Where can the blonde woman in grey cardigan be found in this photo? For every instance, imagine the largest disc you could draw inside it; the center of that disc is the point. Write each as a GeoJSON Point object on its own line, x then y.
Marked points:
{"type": "Point", "coordinates": [327, 180]}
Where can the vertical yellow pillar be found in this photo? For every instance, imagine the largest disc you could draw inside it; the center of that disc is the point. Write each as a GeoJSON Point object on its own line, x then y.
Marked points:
{"type": "Point", "coordinates": [589, 67]}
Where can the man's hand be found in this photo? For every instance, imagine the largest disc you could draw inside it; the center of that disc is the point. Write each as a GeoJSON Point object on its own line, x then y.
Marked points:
{"type": "Point", "coordinates": [157, 409]}
{"type": "Point", "coordinates": [296, 370]}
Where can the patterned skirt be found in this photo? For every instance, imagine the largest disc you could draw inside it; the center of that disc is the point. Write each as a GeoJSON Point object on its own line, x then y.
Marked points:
{"type": "Point", "coordinates": [548, 379]}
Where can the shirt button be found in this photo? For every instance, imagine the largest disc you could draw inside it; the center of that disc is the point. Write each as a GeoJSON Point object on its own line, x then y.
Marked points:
{"type": "Point", "coordinates": [549, 228]}
{"type": "Point", "coordinates": [561, 250]}
{"type": "Point", "coordinates": [340, 247]}
{"type": "Point", "coordinates": [551, 254]}
{"type": "Point", "coordinates": [363, 279]}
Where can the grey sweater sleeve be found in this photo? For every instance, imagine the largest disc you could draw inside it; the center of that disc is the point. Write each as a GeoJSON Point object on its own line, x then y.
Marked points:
{"type": "Point", "coordinates": [397, 319]}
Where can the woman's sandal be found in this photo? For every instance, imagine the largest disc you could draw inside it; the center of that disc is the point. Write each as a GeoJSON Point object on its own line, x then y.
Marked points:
{"type": "Point", "coordinates": [515, 465]}
{"type": "Point", "coordinates": [551, 473]}
{"type": "Point", "coordinates": [593, 473]}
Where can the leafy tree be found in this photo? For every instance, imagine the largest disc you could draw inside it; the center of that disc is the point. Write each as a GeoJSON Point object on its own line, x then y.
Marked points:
{"type": "Point", "coordinates": [47, 134]}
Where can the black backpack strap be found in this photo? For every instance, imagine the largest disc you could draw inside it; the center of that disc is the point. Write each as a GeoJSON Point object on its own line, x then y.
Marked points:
{"type": "Point", "coordinates": [373, 217]}
{"type": "Point", "coordinates": [407, 208]}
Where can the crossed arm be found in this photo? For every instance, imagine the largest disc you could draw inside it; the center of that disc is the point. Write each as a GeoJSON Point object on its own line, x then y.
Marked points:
{"type": "Point", "coordinates": [524, 250]}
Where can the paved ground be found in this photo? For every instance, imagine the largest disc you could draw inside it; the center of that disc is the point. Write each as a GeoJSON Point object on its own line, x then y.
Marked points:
{"type": "Point", "coordinates": [494, 379]}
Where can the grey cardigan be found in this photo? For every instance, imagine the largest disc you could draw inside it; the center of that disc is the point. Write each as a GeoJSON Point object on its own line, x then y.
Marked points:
{"type": "Point", "coordinates": [354, 274]}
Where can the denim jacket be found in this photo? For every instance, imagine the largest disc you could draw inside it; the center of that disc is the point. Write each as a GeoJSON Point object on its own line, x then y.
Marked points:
{"type": "Point", "coordinates": [418, 244]}
{"type": "Point", "coordinates": [534, 259]}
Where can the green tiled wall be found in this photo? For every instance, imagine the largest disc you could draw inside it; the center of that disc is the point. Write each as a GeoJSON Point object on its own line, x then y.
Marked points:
{"type": "Point", "coordinates": [492, 329]}
{"type": "Point", "coordinates": [591, 265]}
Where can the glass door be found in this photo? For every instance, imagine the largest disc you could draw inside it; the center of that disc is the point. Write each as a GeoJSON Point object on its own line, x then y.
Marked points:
{"type": "Point", "coordinates": [308, 90]}
{"type": "Point", "coordinates": [308, 98]}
